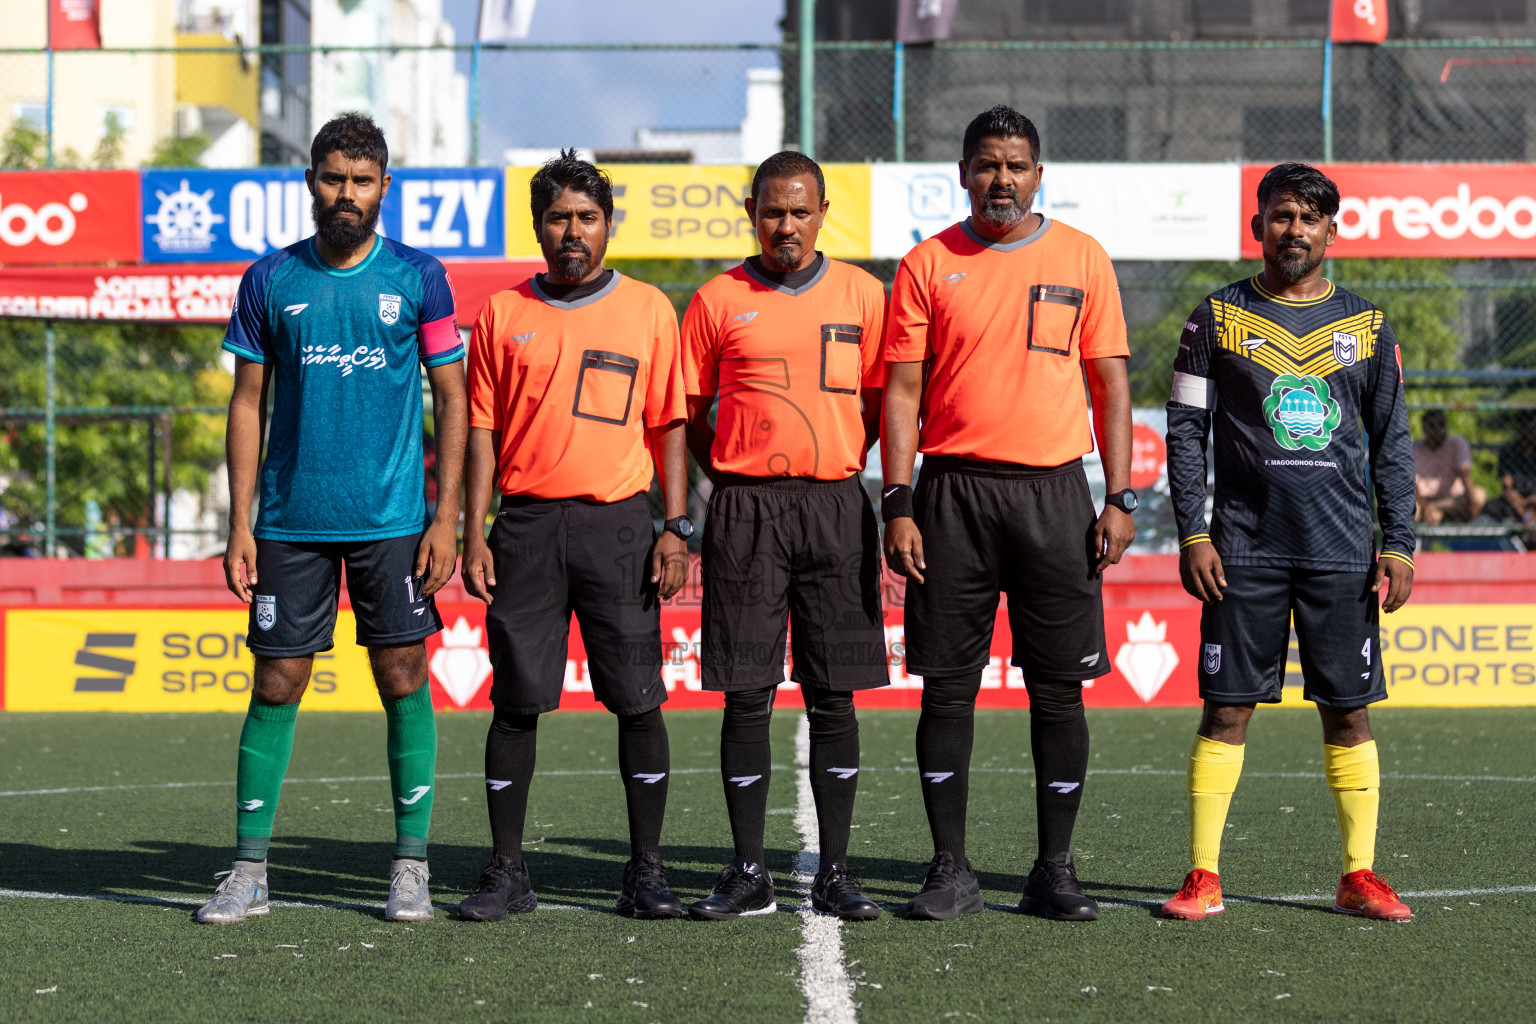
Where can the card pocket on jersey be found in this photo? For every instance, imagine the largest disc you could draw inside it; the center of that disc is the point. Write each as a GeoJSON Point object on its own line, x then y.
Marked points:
{"type": "Point", "coordinates": [1054, 310]}
{"type": "Point", "coordinates": [840, 363]}
{"type": "Point", "coordinates": [605, 386]}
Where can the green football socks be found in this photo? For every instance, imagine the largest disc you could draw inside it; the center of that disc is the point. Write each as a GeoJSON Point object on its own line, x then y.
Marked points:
{"type": "Point", "coordinates": [266, 742]}
{"type": "Point", "coordinates": [412, 747]}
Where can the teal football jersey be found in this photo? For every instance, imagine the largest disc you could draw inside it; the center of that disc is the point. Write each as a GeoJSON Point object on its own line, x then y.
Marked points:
{"type": "Point", "coordinates": [344, 453]}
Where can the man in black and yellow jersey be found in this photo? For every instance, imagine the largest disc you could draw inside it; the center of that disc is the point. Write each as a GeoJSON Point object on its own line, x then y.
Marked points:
{"type": "Point", "coordinates": [1302, 382]}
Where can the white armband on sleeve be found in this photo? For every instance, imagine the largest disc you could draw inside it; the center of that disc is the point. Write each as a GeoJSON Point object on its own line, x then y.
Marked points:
{"type": "Point", "coordinates": [1189, 389]}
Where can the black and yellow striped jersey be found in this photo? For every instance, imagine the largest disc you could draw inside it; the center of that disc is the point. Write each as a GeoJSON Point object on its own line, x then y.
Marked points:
{"type": "Point", "coordinates": [1299, 398]}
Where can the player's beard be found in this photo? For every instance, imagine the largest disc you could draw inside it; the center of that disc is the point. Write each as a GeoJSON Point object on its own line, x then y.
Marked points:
{"type": "Point", "coordinates": [1005, 215]}
{"type": "Point", "coordinates": [574, 258]}
{"type": "Point", "coordinates": [342, 234]}
{"type": "Point", "coordinates": [1294, 264]}
{"type": "Point", "coordinates": [785, 256]}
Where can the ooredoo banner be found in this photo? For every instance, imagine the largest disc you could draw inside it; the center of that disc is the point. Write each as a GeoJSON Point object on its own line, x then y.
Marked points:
{"type": "Point", "coordinates": [69, 217]}
{"type": "Point", "coordinates": [1422, 210]}
{"type": "Point", "coordinates": [199, 215]}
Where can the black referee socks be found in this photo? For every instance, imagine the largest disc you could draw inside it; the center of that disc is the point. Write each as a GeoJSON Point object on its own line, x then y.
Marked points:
{"type": "Point", "coordinates": [645, 761]}
{"type": "Point", "coordinates": [746, 766]}
{"type": "Point", "coordinates": [945, 731]}
{"type": "Point", "coordinates": [509, 756]}
{"type": "Point", "coordinates": [834, 769]}
{"type": "Point", "coordinates": [1058, 739]}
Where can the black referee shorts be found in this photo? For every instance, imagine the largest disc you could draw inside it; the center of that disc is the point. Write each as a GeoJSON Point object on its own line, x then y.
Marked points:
{"type": "Point", "coordinates": [791, 550]}
{"type": "Point", "coordinates": [1244, 637]}
{"type": "Point", "coordinates": [556, 557]}
{"type": "Point", "coordinates": [1024, 531]}
{"type": "Point", "coordinates": [293, 610]}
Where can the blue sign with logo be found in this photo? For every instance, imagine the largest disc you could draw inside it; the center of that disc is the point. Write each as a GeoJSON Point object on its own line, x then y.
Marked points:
{"type": "Point", "coordinates": [241, 215]}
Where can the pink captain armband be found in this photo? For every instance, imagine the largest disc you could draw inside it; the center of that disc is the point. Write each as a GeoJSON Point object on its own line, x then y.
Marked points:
{"type": "Point", "coordinates": [439, 337]}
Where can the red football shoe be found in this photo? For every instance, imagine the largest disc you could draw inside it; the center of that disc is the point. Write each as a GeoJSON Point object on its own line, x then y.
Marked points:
{"type": "Point", "coordinates": [1200, 897]}
{"type": "Point", "coordinates": [1364, 893]}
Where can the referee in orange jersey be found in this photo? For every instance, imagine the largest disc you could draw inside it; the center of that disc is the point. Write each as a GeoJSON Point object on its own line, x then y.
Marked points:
{"type": "Point", "coordinates": [992, 324]}
{"type": "Point", "coordinates": [575, 380]}
{"type": "Point", "coordinates": [790, 343]}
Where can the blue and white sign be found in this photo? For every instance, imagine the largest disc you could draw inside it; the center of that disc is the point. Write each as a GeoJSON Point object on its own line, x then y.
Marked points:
{"type": "Point", "coordinates": [240, 215]}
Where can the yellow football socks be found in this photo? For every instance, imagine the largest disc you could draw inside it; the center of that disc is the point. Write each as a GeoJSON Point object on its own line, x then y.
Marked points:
{"type": "Point", "coordinates": [1214, 769]}
{"type": "Point", "coordinates": [1354, 775]}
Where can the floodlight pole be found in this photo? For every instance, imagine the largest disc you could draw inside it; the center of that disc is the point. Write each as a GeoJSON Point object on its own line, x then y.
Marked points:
{"type": "Point", "coordinates": [474, 102]}
{"type": "Point", "coordinates": [49, 118]}
{"type": "Point", "coordinates": [898, 97]}
{"type": "Point", "coordinates": [1328, 101]}
{"type": "Point", "coordinates": [50, 448]}
{"type": "Point", "coordinates": [808, 78]}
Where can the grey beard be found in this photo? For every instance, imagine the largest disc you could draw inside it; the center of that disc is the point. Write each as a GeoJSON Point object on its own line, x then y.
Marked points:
{"type": "Point", "coordinates": [574, 265]}
{"type": "Point", "coordinates": [1006, 215]}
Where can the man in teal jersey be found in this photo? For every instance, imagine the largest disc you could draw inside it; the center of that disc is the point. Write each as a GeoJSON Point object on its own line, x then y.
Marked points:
{"type": "Point", "coordinates": [335, 326]}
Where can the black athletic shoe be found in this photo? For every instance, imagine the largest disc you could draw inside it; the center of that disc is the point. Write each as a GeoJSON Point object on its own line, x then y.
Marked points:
{"type": "Point", "coordinates": [1051, 890]}
{"type": "Point", "coordinates": [644, 893]}
{"type": "Point", "coordinates": [503, 889]}
{"type": "Point", "coordinates": [742, 890]}
{"type": "Point", "coordinates": [951, 889]}
{"type": "Point", "coordinates": [839, 891]}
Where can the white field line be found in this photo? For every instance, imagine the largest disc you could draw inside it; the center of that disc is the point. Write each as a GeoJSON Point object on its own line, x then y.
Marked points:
{"type": "Point", "coordinates": [1180, 772]}
{"type": "Point", "coordinates": [189, 901]}
{"type": "Point", "coordinates": [823, 978]}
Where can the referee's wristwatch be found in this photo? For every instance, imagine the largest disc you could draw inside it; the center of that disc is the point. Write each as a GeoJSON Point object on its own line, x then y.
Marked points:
{"type": "Point", "coordinates": [1125, 501]}
{"type": "Point", "coordinates": [681, 526]}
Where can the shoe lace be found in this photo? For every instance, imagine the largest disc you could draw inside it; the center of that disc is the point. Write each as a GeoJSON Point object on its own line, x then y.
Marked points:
{"type": "Point", "coordinates": [1062, 877]}
{"type": "Point", "coordinates": [734, 883]}
{"type": "Point", "coordinates": [650, 873]}
{"type": "Point", "coordinates": [235, 884]}
{"type": "Point", "coordinates": [941, 871]}
{"type": "Point", "coordinates": [841, 881]}
{"type": "Point", "coordinates": [499, 873]}
{"type": "Point", "coordinates": [1198, 884]}
{"type": "Point", "coordinates": [1372, 886]}
{"type": "Point", "coordinates": [410, 879]}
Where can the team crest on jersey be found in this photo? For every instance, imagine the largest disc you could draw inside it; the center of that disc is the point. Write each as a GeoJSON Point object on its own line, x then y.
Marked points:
{"type": "Point", "coordinates": [1212, 659]}
{"type": "Point", "coordinates": [389, 309]}
{"type": "Point", "coordinates": [266, 611]}
{"type": "Point", "coordinates": [1301, 412]}
{"type": "Point", "coordinates": [1346, 348]}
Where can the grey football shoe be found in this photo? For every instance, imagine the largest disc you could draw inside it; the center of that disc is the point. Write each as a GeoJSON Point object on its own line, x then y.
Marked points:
{"type": "Point", "coordinates": [241, 894]}
{"type": "Point", "coordinates": [408, 896]}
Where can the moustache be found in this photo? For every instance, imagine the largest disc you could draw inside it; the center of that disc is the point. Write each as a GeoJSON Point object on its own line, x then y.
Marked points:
{"type": "Point", "coordinates": [575, 245]}
{"type": "Point", "coordinates": [343, 206]}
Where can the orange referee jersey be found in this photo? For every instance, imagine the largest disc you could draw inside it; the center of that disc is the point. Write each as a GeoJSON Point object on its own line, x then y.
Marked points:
{"type": "Point", "coordinates": [1004, 329]}
{"type": "Point", "coordinates": [574, 386]}
{"type": "Point", "coordinates": [788, 365]}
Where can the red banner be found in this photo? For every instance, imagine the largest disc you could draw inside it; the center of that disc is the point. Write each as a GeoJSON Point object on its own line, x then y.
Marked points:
{"type": "Point", "coordinates": [74, 25]}
{"type": "Point", "coordinates": [191, 292]}
{"type": "Point", "coordinates": [1152, 652]}
{"type": "Point", "coordinates": [1358, 21]}
{"type": "Point", "coordinates": [1424, 210]}
{"type": "Point", "coordinates": [69, 216]}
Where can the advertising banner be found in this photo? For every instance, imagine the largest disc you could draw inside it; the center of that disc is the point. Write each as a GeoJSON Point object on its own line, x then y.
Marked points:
{"type": "Point", "coordinates": [180, 660]}
{"type": "Point", "coordinates": [694, 211]}
{"type": "Point", "coordinates": [199, 215]}
{"type": "Point", "coordinates": [1422, 210]}
{"type": "Point", "coordinates": [196, 292]}
{"type": "Point", "coordinates": [1136, 211]}
{"type": "Point", "coordinates": [68, 217]}
{"type": "Point", "coordinates": [1358, 21]}
{"type": "Point", "coordinates": [74, 25]}
{"type": "Point", "coordinates": [110, 660]}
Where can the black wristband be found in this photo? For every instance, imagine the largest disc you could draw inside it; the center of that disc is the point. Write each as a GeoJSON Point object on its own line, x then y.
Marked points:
{"type": "Point", "coordinates": [895, 502]}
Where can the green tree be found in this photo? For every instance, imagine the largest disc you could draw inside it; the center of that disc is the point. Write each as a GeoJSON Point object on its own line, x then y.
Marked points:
{"type": "Point", "coordinates": [109, 148]}
{"type": "Point", "coordinates": [99, 460]}
{"type": "Point", "coordinates": [25, 146]}
{"type": "Point", "coordinates": [180, 151]}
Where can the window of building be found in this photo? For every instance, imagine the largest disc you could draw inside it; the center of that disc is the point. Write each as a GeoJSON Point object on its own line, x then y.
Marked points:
{"type": "Point", "coordinates": [34, 114]}
{"type": "Point", "coordinates": [108, 114]}
{"type": "Point", "coordinates": [1309, 12]}
{"type": "Point", "coordinates": [1463, 133]}
{"type": "Point", "coordinates": [1080, 12]}
{"type": "Point", "coordinates": [1504, 11]}
{"type": "Point", "coordinates": [1274, 134]}
{"type": "Point", "coordinates": [1223, 12]}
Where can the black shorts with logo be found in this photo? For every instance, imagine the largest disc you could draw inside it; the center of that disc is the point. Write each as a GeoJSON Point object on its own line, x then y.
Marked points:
{"type": "Point", "coordinates": [555, 557]}
{"type": "Point", "coordinates": [293, 608]}
{"type": "Point", "coordinates": [1021, 530]}
{"type": "Point", "coordinates": [791, 550]}
{"type": "Point", "coordinates": [1244, 637]}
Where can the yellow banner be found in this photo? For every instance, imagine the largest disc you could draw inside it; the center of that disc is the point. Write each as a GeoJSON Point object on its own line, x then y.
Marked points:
{"type": "Point", "coordinates": [694, 211]}
{"type": "Point", "coordinates": [90, 660]}
{"type": "Point", "coordinates": [1452, 656]}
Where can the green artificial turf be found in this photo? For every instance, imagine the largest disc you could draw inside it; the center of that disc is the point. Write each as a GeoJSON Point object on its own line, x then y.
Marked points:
{"type": "Point", "coordinates": [1276, 952]}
